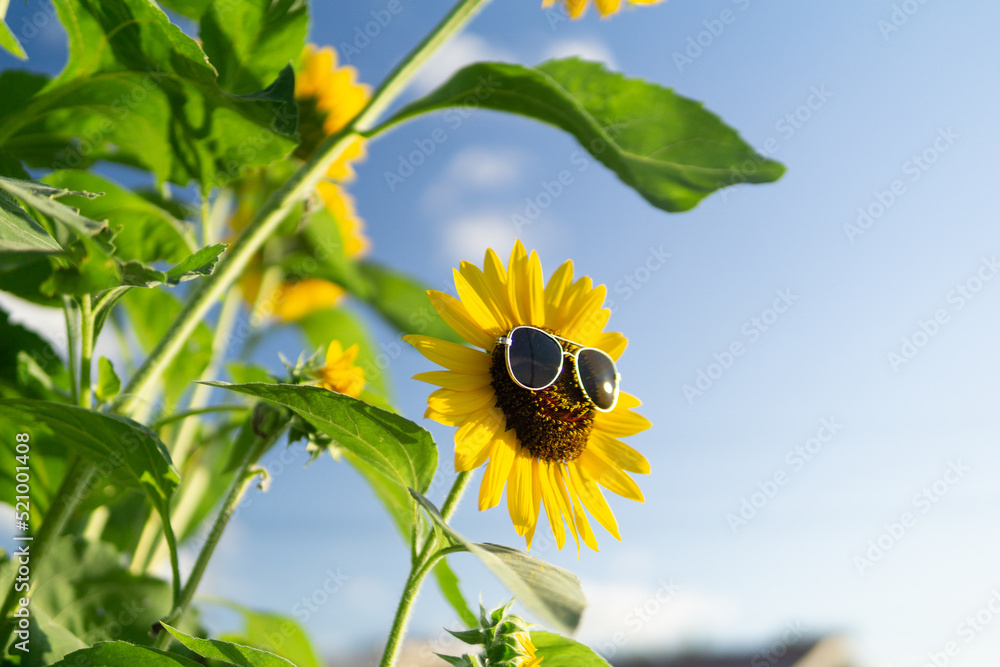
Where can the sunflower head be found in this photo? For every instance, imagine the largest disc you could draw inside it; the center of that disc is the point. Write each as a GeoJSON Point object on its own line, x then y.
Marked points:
{"type": "Point", "coordinates": [576, 8]}
{"type": "Point", "coordinates": [548, 447]}
{"type": "Point", "coordinates": [340, 373]}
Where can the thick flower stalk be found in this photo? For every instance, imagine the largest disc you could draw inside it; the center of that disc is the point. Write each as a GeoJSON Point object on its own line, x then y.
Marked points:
{"type": "Point", "coordinates": [554, 446]}
{"type": "Point", "coordinates": [505, 640]}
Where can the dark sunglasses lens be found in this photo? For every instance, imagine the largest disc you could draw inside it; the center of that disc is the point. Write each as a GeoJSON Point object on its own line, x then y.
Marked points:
{"type": "Point", "coordinates": [598, 377]}
{"type": "Point", "coordinates": [534, 357]}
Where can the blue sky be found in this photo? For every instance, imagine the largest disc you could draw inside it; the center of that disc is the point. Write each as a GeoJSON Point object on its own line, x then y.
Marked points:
{"type": "Point", "coordinates": [914, 107]}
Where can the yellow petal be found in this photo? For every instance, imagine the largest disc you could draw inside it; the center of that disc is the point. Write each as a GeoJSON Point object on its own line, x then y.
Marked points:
{"type": "Point", "coordinates": [536, 499]}
{"type": "Point", "coordinates": [576, 7]}
{"type": "Point", "coordinates": [451, 402]}
{"type": "Point", "coordinates": [293, 301]}
{"type": "Point", "coordinates": [607, 6]}
{"type": "Point", "coordinates": [494, 278]}
{"type": "Point", "coordinates": [585, 311]}
{"type": "Point", "coordinates": [620, 421]}
{"type": "Point", "coordinates": [531, 291]}
{"type": "Point", "coordinates": [457, 316]}
{"type": "Point", "coordinates": [608, 475]}
{"type": "Point", "coordinates": [472, 296]}
{"type": "Point", "coordinates": [563, 501]}
{"type": "Point", "coordinates": [474, 439]}
{"type": "Point", "coordinates": [451, 355]}
{"type": "Point", "coordinates": [627, 401]}
{"type": "Point", "coordinates": [552, 510]}
{"type": "Point", "coordinates": [498, 470]}
{"type": "Point", "coordinates": [556, 288]}
{"type": "Point", "coordinates": [582, 524]}
{"type": "Point", "coordinates": [453, 380]}
{"type": "Point", "coordinates": [588, 492]}
{"type": "Point", "coordinates": [520, 492]}
{"type": "Point", "coordinates": [447, 420]}
{"type": "Point", "coordinates": [611, 342]}
{"type": "Point", "coordinates": [619, 453]}
{"type": "Point", "coordinates": [516, 275]}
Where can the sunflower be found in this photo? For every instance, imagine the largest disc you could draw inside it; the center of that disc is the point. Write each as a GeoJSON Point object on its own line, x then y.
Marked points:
{"type": "Point", "coordinates": [549, 447]}
{"type": "Point", "coordinates": [340, 373]}
{"type": "Point", "coordinates": [575, 8]}
{"type": "Point", "coordinates": [328, 97]}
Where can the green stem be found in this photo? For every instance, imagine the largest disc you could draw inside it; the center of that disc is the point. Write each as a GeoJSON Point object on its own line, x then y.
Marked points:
{"type": "Point", "coordinates": [178, 416]}
{"type": "Point", "coordinates": [421, 565]}
{"type": "Point", "coordinates": [299, 187]}
{"type": "Point", "coordinates": [67, 496]}
{"type": "Point", "coordinates": [145, 549]}
{"type": "Point", "coordinates": [241, 481]}
{"type": "Point", "coordinates": [72, 337]}
{"type": "Point", "coordinates": [86, 349]}
{"type": "Point", "coordinates": [418, 572]}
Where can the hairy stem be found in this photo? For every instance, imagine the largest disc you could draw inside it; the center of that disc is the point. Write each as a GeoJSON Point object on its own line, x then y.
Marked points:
{"type": "Point", "coordinates": [241, 481]}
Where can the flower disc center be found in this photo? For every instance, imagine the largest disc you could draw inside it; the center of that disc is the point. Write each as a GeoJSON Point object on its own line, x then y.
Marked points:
{"type": "Point", "coordinates": [553, 423]}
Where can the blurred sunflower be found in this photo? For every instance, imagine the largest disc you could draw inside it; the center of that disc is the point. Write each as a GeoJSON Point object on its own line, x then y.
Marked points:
{"type": "Point", "coordinates": [575, 8]}
{"type": "Point", "coordinates": [551, 446]}
{"type": "Point", "coordinates": [340, 373]}
{"type": "Point", "coordinates": [328, 97]}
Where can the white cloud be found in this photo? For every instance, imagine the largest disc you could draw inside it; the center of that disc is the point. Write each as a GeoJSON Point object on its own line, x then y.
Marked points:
{"type": "Point", "coordinates": [628, 617]}
{"type": "Point", "coordinates": [467, 238]}
{"type": "Point", "coordinates": [462, 50]}
{"type": "Point", "coordinates": [474, 169]}
{"type": "Point", "coordinates": [587, 48]}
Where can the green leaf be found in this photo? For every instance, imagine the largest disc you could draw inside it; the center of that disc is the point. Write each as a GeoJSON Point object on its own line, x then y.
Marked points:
{"type": "Point", "coordinates": [550, 592]}
{"type": "Point", "coordinates": [235, 654]}
{"type": "Point", "coordinates": [19, 232]}
{"type": "Point", "coordinates": [89, 270]}
{"type": "Point", "coordinates": [197, 265]}
{"type": "Point", "coordinates": [121, 448]}
{"type": "Point", "coordinates": [8, 41]}
{"type": "Point", "coordinates": [669, 148]}
{"type": "Point", "coordinates": [279, 634]}
{"type": "Point", "coordinates": [42, 198]}
{"type": "Point", "coordinates": [138, 91]}
{"type": "Point", "coordinates": [50, 641]}
{"type": "Point", "coordinates": [249, 42]}
{"type": "Point", "coordinates": [448, 583]}
{"type": "Point", "coordinates": [84, 593]}
{"type": "Point", "coordinates": [123, 654]}
{"type": "Point", "coordinates": [108, 384]}
{"type": "Point", "coordinates": [403, 302]}
{"type": "Point", "coordinates": [18, 340]}
{"type": "Point", "coordinates": [144, 230]}
{"type": "Point", "coordinates": [558, 651]}
{"type": "Point", "coordinates": [190, 8]}
{"type": "Point", "coordinates": [396, 448]}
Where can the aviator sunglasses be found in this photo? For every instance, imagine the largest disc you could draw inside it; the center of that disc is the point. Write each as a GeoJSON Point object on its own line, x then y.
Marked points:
{"type": "Point", "coordinates": [535, 361]}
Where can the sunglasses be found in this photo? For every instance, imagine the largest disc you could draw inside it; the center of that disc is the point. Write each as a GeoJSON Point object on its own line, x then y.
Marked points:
{"type": "Point", "coordinates": [535, 361]}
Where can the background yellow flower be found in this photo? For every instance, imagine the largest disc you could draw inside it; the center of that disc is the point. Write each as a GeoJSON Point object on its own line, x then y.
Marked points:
{"type": "Point", "coordinates": [576, 8]}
